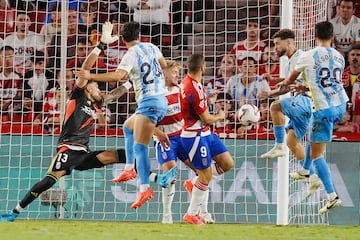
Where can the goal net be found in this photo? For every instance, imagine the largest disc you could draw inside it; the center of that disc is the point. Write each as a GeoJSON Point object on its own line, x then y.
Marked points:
{"type": "Point", "coordinates": [59, 37]}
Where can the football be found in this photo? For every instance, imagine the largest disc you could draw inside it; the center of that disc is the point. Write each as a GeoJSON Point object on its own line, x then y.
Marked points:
{"type": "Point", "coordinates": [248, 114]}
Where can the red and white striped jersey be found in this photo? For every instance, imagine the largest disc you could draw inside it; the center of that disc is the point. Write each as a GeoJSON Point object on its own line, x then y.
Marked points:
{"type": "Point", "coordinates": [173, 121]}
{"type": "Point", "coordinates": [240, 51]}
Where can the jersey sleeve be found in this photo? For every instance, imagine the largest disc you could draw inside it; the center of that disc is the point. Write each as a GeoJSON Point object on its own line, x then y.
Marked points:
{"type": "Point", "coordinates": [127, 62]}
{"type": "Point", "coordinates": [199, 99]}
{"type": "Point", "coordinates": [302, 62]}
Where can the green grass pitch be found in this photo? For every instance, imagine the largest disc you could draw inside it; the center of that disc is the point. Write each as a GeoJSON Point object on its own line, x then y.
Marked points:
{"type": "Point", "coordinates": [101, 230]}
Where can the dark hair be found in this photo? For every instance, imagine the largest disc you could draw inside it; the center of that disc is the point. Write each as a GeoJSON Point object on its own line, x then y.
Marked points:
{"type": "Point", "coordinates": [38, 57]}
{"type": "Point", "coordinates": [194, 62]}
{"type": "Point", "coordinates": [6, 47]}
{"type": "Point", "coordinates": [248, 58]}
{"type": "Point", "coordinates": [324, 30]}
{"type": "Point", "coordinates": [22, 12]}
{"type": "Point", "coordinates": [353, 2]}
{"type": "Point", "coordinates": [131, 31]}
{"type": "Point", "coordinates": [284, 34]}
{"type": "Point", "coordinates": [355, 47]}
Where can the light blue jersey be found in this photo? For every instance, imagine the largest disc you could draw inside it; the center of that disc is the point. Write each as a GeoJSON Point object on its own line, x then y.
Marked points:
{"type": "Point", "coordinates": [322, 70]}
{"type": "Point", "coordinates": [141, 62]}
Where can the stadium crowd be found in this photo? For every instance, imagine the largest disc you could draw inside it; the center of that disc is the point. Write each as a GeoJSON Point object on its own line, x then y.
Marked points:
{"type": "Point", "coordinates": [30, 58]}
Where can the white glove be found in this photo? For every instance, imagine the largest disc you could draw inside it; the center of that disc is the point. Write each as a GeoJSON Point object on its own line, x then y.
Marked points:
{"type": "Point", "coordinates": [106, 34]}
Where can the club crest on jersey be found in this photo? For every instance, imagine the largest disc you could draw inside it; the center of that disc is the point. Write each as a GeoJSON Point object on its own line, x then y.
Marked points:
{"type": "Point", "coordinates": [88, 111]}
{"type": "Point", "coordinates": [204, 161]}
{"type": "Point", "coordinates": [164, 155]}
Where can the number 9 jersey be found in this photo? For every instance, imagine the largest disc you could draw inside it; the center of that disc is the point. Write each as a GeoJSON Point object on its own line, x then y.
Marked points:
{"type": "Point", "coordinates": [322, 70]}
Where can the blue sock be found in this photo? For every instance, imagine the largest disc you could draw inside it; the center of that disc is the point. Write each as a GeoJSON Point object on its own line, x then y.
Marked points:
{"type": "Point", "coordinates": [129, 145]}
{"type": "Point", "coordinates": [307, 163]}
{"type": "Point", "coordinates": [279, 133]}
{"type": "Point", "coordinates": [324, 174]}
{"type": "Point", "coordinates": [143, 162]}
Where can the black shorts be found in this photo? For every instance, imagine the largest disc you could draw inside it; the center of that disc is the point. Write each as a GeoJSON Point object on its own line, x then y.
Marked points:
{"type": "Point", "coordinates": [68, 159]}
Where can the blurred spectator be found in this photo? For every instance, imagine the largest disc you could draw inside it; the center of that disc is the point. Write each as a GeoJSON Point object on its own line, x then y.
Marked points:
{"type": "Point", "coordinates": [270, 64]}
{"type": "Point", "coordinates": [153, 16]}
{"type": "Point", "coordinates": [115, 51]}
{"type": "Point", "coordinates": [50, 116]}
{"type": "Point", "coordinates": [225, 102]}
{"type": "Point", "coordinates": [351, 74]}
{"type": "Point", "coordinates": [52, 28]}
{"type": "Point", "coordinates": [4, 4]}
{"type": "Point", "coordinates": [332, 9]}
{"type": "Point", "coordinates": [274, 19]}
{"type": "Point", "coordinates": [89, 25]}
{"type": "Point", "coordinates": [345, 125]}
{"type": "Point", "coordinates": [9, 80]}
{"type": "Point", "coordinates": [265, 122]}
{"type": "Point", "coordinates": [82, 49]}
{"type": "Point", "coordinates": [37, 82]}
{"type": "Point", "coordinates": [252, 46]}
{"type": "Point", "coordinates": [245, 86]}
{"type": "Point", "coordinates": [24, 42]}
{"type": "Point", "coordinates": [226, 70]}
{"type": "Point", "coordinates": [72, 4]}
{"type": "Point", "coordinates": [55, 47]}
{"type": "Point", "coordinates": [346, 27]}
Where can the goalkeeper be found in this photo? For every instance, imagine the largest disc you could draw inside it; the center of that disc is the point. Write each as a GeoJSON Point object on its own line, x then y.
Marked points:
{"type": "Point", "coordinates": [83, 109]}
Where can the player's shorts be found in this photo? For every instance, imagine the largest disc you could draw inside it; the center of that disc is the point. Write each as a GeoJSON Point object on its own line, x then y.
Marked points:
{"type": "Point", "coordinates": [203, 148]}
{"type": "Point", "coordinates": [298, 109]}
{"type": "Point", "coordinates": [323, 121]}
{"type": "Point", "coordinates": [154, 108]}
{"type": "Point", "coordinates": [68, 159]}
{"type": "Point", "coordinates": [174, 152]}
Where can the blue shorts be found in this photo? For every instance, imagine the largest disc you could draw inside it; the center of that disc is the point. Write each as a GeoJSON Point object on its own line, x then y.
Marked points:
{"type": "Point", "coordinates": [154, 108]}
{"type": "Point", "coordinates": [298, 110]}
{"type": "Point", "coordinates": [323, 121]}
{"type": "Point", "coordinates": [175, 151]}
{"type": "Point", "coordinates": [202, 149]}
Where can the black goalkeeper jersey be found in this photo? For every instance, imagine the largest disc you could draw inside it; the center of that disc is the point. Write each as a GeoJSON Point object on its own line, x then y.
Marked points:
{"type": "Point", "coordinates": [79, 120]}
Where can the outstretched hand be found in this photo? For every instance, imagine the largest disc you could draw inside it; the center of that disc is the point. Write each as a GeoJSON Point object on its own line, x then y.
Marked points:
{"type": "Point", "coordinates": [82, 74]}
{"type": "Point", "coordinates": [106, 36]}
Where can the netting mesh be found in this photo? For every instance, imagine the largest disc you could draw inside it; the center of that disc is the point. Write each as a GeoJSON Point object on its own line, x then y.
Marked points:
{"type": "Point", "coordinates": [60, 37]}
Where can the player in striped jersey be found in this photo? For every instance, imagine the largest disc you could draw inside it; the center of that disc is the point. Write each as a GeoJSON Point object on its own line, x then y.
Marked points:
{"type": "Point", "coordinates": [296, 108]}
{"type": "Point", "coordinates": [202, 145]}
{"type": "Point", "coordinates": [171, 125]}
{"type": "Point", "coordinates": [142, 63]}
{"type": "Point", "coordinates": [322, 68]}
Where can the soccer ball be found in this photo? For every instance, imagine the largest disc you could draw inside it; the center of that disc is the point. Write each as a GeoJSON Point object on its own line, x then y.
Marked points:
{"type": "Point", "coordinates": [248, 114]}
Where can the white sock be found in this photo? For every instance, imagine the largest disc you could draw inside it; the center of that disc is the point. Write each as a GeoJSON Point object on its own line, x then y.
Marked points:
{"type": "Point", "coordinates": [168, 197]}
{"type": "Point", "coordinates": [18, 208]}
{"type": "Point", "coordinates": [331, 196]}
{"type": "Point", "coordinates": [197, 198]}
{"type": "Point", "coordinates": [129, 166]}
{"type": "Point", "coordinates": [144, 187]}
{"type": "Point", "coordinates": [204, 206]}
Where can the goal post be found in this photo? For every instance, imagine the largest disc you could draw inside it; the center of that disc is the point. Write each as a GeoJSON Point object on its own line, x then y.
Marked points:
{"type": "Point", "coordinates": [254, 191]}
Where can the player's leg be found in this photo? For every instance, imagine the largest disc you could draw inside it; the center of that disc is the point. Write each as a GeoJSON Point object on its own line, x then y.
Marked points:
{"type": "Point", "coordinates": [166, 157]}
{"type": "Point", "coordinates": [149, 112]}
{"type": "Point", "coordinates": [129, 170]}
{"type": "Point", "coordinates": [278, 118]}
{"type": "Point", "coordinates": [319, 136]}
{"type": "Point", "coordinates": [60, 165]}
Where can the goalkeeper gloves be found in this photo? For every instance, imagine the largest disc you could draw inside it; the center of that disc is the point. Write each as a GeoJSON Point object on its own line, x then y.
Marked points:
{"type": "Point", "coordinates": [106, 37]}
